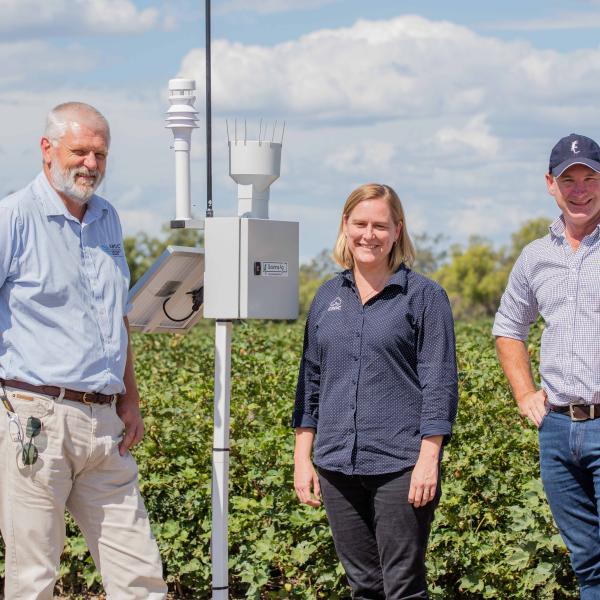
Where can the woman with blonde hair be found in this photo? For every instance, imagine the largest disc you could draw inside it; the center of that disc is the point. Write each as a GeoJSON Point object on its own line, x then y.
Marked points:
{"type": "Point", "coordinates": [376, 397]}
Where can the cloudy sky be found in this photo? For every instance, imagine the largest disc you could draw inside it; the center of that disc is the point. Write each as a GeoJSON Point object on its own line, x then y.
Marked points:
{"type": "Point", "coordinates": [455, 104]}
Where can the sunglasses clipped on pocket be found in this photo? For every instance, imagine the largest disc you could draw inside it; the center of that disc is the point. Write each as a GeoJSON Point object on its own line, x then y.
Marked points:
{"type": "Point", "coordinates": [29, 453]}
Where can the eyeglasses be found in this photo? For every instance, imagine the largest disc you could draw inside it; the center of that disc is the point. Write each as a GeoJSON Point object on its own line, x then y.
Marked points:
{"type": "Point", "coordinates": [29, 453]}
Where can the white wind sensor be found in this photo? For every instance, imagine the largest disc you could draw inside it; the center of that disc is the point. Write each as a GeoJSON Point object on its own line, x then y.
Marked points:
{"type": "Point", "coordinates": [181, 120]}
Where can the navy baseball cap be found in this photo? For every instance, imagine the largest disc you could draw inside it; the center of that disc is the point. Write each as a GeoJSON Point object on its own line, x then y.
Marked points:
{"type": "Point", "coordinates": [574, 149]}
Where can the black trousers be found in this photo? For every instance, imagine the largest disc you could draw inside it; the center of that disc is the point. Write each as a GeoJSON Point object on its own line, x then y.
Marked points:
{"type": "Point", "coordinates": [379, 537]}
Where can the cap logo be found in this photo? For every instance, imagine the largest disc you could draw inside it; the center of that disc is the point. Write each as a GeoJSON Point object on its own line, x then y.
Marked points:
{"type": "Point", "coordinates": [574, 149]}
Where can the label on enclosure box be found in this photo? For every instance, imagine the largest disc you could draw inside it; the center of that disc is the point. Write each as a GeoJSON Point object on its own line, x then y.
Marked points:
{"type": "Point", "coordinates": [271, 269]}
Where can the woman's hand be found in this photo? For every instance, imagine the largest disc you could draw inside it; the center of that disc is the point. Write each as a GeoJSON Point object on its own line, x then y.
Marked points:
{"type": "Point", "coordinates": [306, 483]}
{"type": "Point", "coordinates": [306, 480]}
{"type": "Point", "coordinates": [424, 480]}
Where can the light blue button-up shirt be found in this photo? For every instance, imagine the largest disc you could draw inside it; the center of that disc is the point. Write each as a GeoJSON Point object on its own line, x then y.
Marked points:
{"type": "Point", "coordinates": [63, 292]}
{"type": "Point", "coordinates": [563, 285]}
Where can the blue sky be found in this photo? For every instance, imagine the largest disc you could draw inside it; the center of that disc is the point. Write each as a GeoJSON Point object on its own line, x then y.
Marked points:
{"type": "Point", "coordinates": [456, 105]}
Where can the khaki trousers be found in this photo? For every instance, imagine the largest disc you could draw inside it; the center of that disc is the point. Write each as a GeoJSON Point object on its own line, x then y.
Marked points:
{"type": "Point", "coordinates": [80, 468]}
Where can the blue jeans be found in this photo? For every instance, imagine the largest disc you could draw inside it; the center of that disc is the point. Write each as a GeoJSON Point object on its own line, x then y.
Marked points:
{"type": "Point", "coordinates": [570, 466]}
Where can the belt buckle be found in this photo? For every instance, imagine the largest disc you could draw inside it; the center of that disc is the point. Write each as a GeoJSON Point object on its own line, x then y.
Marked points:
{"type": "Point", "coordinates": [85, 400]}
{"type": "Point", "coordinates": [584, 418]}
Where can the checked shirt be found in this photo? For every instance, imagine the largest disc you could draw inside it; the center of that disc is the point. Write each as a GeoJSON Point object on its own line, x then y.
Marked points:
{"type": "Point", "coordinates": [563, 286]}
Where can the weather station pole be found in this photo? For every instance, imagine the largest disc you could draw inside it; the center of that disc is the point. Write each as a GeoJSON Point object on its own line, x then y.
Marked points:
{"type": "Point", "coordinates": [219, 541]}
{"type": "Point", "coordinates": [248, 269]}
{"type": "Point", "coordinates": [220, 461]}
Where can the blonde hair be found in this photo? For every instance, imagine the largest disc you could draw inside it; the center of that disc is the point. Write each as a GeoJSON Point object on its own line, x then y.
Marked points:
{"type": "Point", "coordinates": [402, 251]}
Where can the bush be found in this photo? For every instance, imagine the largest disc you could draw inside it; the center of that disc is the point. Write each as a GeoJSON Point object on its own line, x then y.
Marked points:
{"type": "Point", "coordinates": [493, 536]}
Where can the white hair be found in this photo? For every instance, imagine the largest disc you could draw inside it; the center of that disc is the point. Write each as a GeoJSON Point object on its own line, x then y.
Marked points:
{"type": "Point", "coordinates": [70, 114]}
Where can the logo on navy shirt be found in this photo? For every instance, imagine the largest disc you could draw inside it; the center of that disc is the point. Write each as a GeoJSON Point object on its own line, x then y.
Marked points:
{"type": "Point", "coordinates": [335, 304]}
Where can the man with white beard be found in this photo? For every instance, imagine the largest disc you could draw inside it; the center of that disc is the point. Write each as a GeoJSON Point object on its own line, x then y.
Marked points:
{"type": "Point", "coordinates": [67, 381]}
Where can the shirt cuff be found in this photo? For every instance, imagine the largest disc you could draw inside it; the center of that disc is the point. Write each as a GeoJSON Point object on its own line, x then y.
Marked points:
{"type": "Point", "coordinates": [505, 327]}
{"type": "Point", "coordinates": [440, 427]}
{"type": "Point", "coordinates": [304, 420]}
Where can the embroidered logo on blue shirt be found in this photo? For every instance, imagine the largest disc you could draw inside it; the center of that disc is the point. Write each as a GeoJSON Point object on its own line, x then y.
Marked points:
{"type": "Point", "coordinates": [112, 249]}
{"type": "Point", "coordinates": [335, 304]}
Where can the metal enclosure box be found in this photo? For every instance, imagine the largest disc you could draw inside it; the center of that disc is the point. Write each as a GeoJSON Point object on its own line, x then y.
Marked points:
{"type": "Point", "coordinates": [251, 268]}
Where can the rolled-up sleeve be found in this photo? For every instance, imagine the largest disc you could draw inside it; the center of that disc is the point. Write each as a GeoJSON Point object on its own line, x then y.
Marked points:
{"type": "Point", "coordinates": [306, 408]}
{"type": "Point", "coordinates": [518, 307]}
{"type": "Point", "coordinates": [436, 367]}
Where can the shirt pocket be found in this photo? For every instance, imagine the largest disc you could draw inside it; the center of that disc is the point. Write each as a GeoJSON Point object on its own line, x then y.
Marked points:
{"type": "Point", "coordinates": [113, 275]}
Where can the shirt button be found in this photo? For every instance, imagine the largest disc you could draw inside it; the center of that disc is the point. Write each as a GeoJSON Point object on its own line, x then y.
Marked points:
{"type": "Point", "coordinates": [358, 334]}
{"type": "Point", "coordinates": [356, 358]}
{"type": "Point", "coordinates": [354, 382]}
{"type": "Point", "coordinates": [351, 430]}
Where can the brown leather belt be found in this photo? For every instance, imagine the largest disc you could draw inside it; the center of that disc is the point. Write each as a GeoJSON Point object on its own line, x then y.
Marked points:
{"type": "Point", "coordinates": [50, 390]}
{"type": "Point", "coordinates": [578, 412]}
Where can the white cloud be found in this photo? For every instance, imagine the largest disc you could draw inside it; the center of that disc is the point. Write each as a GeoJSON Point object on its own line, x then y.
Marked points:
{"type": "Point", "coordinates": [400, 69]}
{"type": "Point", "coordinates": [22, 19]}
{"type": "Point", "coordinates": [133, 221]}
{"type": "Point", "coordinates": [268, 6]}
{"type": "Point", "coordinates": [368, 158]}
{"type": "Point", "coordinates": [474, 136]}
{"type": "Point", "coordinates": [132, 196]}
{"type": "Point", "coordinates": [460, 124]}
{"type": "Point", "coordinates": [485, 216]}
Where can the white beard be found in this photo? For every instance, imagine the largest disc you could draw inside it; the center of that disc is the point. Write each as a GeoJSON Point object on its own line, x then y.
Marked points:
{"type": "Point", "coordinates": [64, 182]}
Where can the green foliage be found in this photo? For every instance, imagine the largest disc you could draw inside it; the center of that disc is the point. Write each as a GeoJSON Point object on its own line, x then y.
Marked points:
{"type": "Point", "coordinates": [321, 266]}
{"type": "Point", "coordinates": [312, 274]}
{"type": "Point", "coordinates": [493, 536]}
{"type": "Point", "coordinates": [430, 254]}
{"type": "Point", "coordinates": [475, 276]}
{"type": "Point", "coordinates": [474, 279]}
{"type": "Point", "coordinates": [308, 286]}
{"type": "Point", "coordinates": [529, 231]}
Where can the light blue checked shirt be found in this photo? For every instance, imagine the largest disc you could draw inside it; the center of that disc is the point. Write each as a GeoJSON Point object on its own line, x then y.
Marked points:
{"type": "Point", "coordinates": [63, 292]}
{"type": "Point", "coordinates": [562, 285]}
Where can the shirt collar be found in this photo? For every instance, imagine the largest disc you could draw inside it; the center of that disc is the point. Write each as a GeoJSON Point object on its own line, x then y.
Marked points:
{"type": "Point", "coordinates": [53, 206]}
{"type": "Point", "coordinates": [51, 202]}
{"type": "Point", "coordinates": [557, 228]}
{"type": "Point", "coordinates": [398, 278]}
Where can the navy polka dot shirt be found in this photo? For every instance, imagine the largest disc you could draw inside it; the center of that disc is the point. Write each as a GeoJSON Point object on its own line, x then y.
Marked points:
{"type": "Point", "coordinates": [375, 379]}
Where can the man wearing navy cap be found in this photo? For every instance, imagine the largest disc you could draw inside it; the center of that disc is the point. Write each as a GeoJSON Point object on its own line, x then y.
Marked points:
{"type": "Point", "coordinates": [558, 277]}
